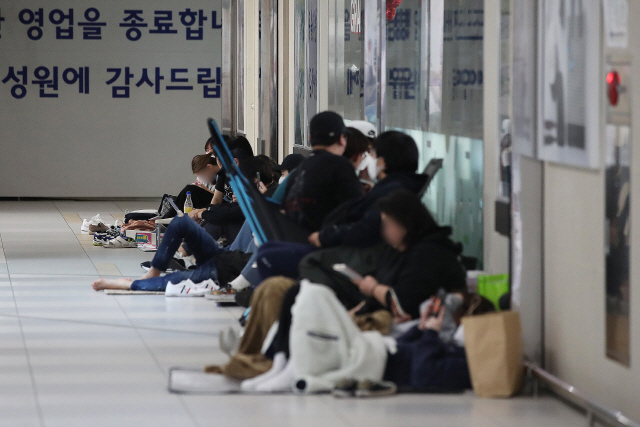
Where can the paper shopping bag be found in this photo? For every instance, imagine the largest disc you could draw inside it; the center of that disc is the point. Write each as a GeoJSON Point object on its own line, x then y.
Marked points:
{"type": "Point", "coordinates": [493, 344]}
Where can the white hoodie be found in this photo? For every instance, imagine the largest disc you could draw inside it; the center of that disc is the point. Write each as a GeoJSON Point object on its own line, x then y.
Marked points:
{"type": "Point", "coordinates": [327, 346]}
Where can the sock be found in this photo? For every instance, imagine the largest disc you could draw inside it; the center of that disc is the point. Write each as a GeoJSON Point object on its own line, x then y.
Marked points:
{"type": "Point", "coordinates": [239, 283]}
{"type": "Point", "coordinates": [282, 381]}
{"type": "Point", "coordinates": [279, 363]}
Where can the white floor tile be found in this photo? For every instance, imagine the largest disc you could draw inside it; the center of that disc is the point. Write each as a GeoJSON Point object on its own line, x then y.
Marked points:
{"type": "Point", "coordinates": [71, 356]}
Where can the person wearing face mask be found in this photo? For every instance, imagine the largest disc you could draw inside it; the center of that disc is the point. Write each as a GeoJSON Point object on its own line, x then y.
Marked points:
{"type": "Point", "coordinates": [358, 146]}
{"type": "Point", "coordinates": [416, 259]}
{"type": "Point", "coordinates": [366, 169]}
{"type": "Point", "coordinates": [357, 222]}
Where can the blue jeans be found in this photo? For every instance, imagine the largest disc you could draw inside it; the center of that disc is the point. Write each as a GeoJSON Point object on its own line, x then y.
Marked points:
{"type": "Point", "coordinates": [202, 245]}
{"type": "Point", "coordinates": [250, 272]}
{"type": "Point", "coordinates": [244, 241]}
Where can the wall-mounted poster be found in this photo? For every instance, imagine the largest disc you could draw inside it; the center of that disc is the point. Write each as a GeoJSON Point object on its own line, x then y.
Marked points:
{"type": "Point", "coordinates": [569, 66]}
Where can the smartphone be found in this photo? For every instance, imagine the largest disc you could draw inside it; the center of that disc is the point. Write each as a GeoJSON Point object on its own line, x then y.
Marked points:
{"type": "Point", "coordinates": [436, 303]}
{"type": "Point", "coordinates": [396, 303]}
{"type": "Point", "coordinates": [347, 271]}
{"type": "Point", "coordinates": [258, 178]}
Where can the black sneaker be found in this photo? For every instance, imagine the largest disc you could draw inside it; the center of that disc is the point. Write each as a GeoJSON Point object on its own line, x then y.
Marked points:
{"type": "Point", "coordinates": [352, 388]}
{"type": "Point", "coordinates": [369, 388]}
{"type": "Point", "coordinates": [174, 265]}
{"type": "Point", "coordinates": [243, 297]}
{"type": "Point", "coordinates": [345, 388]}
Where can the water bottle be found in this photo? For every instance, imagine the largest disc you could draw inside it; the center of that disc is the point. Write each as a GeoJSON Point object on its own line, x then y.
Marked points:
{"type": "Point", "coordinates": [188, 204]}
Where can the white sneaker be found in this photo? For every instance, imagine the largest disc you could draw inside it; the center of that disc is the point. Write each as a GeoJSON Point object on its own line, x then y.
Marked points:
{"type": "Point", "coordinates": [186, 288]}
{"type": "Point", "coordinates": [85, 225]}
{"type": "Point", "coordinates": [207, 284]}
{"type": "Point", "coordinates": [204, 288]}
{"type": "Point", "coordinates": [95, 220]}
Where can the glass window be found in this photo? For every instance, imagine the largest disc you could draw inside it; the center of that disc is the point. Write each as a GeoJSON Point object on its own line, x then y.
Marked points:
{"type": "Point", "coordinates": [353, 88]}
{"type": "Point", "coordinates": [432, 57]}
{"type": "Point", "coordinates": [434, 93]}
{"type": "Point", "coordinates": [300, 42]}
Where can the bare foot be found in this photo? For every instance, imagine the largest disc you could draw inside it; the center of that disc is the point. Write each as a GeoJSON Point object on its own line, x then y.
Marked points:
{"type": "Point", "coordinates": [151, 274]}
{"type": "Point", "coordinates": [122, 284]}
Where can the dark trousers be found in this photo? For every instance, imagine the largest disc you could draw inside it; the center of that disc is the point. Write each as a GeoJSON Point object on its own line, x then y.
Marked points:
{"type": "Point", "coordinates": [200, 197]}
{"type": "Point", "coordinates": [281, 259]}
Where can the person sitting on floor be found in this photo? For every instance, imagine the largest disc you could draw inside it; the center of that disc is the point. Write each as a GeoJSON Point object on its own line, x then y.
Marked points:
{"type": "Point", "coordinates": [325, 179]}
{"type": "Point", "coordinates": [223, 217]}
{"type": "Point", "coordinates": [355, 223]}
{"type": "Point", "coordinates": [429, 359]}
{"type": "Point", "coordinates": [210, 258]}
{"type": "Point", "coordinates": [357, 145]}
{"type": "Point", "coordinates": [415, 262]}
{"type": "Point", "coordinates": [206, 169]}
{"type": "Point", "coordinates": [420, 360]}
{"type": "Point", "coordinates": [204, 248]}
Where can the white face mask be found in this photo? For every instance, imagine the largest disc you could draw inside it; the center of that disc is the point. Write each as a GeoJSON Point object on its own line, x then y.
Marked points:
{"type": "Point", "coordinates": [369, 163]}
{"type": "Point", "coordinates": [364, 162]}
{"type": "Point", "coordinates": [282, 178]}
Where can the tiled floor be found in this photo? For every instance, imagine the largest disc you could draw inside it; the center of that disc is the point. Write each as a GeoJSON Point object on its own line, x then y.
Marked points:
{"type": "Point", "coordinates": [70, 356]}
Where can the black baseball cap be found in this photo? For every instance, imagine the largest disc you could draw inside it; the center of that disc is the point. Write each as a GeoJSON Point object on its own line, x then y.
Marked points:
{"type": "Point", "coordinates": [289, 163]}
{"type": "Point", "coordinates": [325, 128]}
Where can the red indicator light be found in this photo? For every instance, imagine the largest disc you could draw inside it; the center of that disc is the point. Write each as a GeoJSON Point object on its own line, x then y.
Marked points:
{"type": "Point", "coordinates": [613, 89]}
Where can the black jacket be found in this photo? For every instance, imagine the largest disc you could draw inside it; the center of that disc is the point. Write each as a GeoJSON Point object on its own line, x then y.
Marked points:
{"type": "Point", "coordinates": [223, 213]}
{"type": "Point", "coordinates": [320, 184]}
{"type": "Point", "coordinates": [420, 271]}
{"type": "Point", "coordinates": [357, 222]}
{"type": "Point", "coordinates": [229, 212]}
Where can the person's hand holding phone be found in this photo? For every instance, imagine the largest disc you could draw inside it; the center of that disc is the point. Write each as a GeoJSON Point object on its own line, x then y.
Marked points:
{"type": "Point", "coordinates": [261, 187]}
{"type": "Point", "coordinates": [431, 318]}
